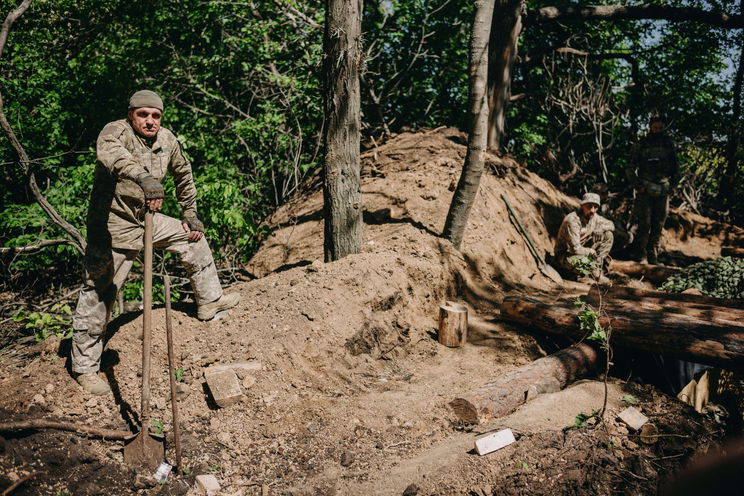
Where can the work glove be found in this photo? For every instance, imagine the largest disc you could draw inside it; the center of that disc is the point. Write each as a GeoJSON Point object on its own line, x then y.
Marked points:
{"type": "Point", "coordinates": [194, 224]}
{"type": "Point", "coordinates": [150, 186]}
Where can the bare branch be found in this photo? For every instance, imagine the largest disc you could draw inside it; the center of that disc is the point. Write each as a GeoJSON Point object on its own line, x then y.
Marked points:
{"type": "Point", "coordinates": [34, 248]}
{"type": "Point", "coordinates": [77, 239]}
{"type": "Point", "coordinates": [637, 12]}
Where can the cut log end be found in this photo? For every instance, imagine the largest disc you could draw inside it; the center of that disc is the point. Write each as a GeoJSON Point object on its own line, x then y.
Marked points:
{"type": "Point", "coordinates": [453, 324]}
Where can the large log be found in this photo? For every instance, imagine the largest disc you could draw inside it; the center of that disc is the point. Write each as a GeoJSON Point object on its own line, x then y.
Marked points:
{"type": "Point", "coordinates": [655, 274]}
{"type": "Point", "coordinates": [507, 393]}
{"type": "Point", "coordinates": [626, 293]}
{"type": "Point", "coordinates": [715, 340]}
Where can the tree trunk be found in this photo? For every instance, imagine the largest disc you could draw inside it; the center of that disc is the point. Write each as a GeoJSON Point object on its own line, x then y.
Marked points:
{"type": "Point", "coordinates": [613, 12]}
{"type": "Point", "coordinates": [342, 196]}
{"type": "Point", "coordinates": [472, 169]}
{"type": "Point", "coordinates": [717, 339]}
{"type": "Point", "coordinates": [726, 189]}
{"type": "Point", "coordinates": [545, 375]}
{"type": "Point", "coordinates": [505, 29]}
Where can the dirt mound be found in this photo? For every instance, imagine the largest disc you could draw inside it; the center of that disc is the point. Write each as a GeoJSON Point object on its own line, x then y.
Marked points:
{"type": "Point", "coordinates": [352, 396]}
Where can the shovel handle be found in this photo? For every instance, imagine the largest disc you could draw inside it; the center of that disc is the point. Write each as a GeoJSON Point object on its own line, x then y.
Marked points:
{"type": "Point", "coordinates": [147, 321]}
{"type": "Point", "coordinates": [524, 232]}
{"type": "Point", "coordinates": [172, 368]}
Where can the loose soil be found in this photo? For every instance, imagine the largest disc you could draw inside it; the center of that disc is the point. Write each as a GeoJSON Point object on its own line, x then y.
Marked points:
{"type": "Point", "coordinates": [353, 392]}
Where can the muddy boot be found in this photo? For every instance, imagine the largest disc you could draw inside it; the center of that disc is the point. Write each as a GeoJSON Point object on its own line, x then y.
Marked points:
{"type": "Point", "coordinates": [93, 383]}
{"type": "Point", "coordinates": [207, 311]}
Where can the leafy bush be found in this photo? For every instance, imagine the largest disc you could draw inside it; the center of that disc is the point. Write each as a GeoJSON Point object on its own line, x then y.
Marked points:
{"type": "Point", "coordinates": [721, 278]}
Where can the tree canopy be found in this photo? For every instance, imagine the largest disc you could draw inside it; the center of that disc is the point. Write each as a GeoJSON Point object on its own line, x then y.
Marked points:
{"type": "Point", "coordinates": [241, 83]}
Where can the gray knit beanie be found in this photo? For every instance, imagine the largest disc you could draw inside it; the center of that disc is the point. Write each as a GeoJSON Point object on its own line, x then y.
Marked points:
{"type": "Point", "coordinates": [145, 98]}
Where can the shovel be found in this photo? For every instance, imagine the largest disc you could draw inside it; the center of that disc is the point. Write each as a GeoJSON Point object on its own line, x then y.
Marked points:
{"type": "Point", "coordinates": [146, 449]}
{"type": "Point", "coordinates": [546, 269]}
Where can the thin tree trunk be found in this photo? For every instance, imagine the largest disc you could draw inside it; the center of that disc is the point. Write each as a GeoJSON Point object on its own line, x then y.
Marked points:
{"type": "Point", "coordinates": [726, 190]}
{"type": "Point", "coordinates": [505, 29]}
{"type": "Point", "coordinates": [467, 187]}
{"type": "Point", "coordinates": [342, 206]}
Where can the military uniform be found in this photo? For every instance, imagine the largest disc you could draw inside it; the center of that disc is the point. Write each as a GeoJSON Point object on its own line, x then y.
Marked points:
{"type": "Point", "coordinates": [653, 172]}
{"type": "Point", "coordinates": [579, 236]}
{"type": "Point", "coordinates": [116, 227]}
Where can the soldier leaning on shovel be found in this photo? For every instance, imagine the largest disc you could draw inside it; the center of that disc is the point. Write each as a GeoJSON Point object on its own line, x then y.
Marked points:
{"type": "Point", "coordinates": [134, 155]}
{"type": "Point", "coordinates": [653, 172]}
{"type": "Point", "coordinates": [584, 232]}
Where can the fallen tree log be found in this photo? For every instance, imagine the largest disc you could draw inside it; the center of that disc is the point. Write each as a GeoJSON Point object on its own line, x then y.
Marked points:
{"type": "Point", "coordinates": [656, 274]}
{"type": "Point", "coordinates": [695, 300]}
{"type": "Point", "coordinates": [507, 393]}
{"type": "Point", "coordinates": [732, 251]}
{"type": "Point", "coordinates": [715, 341]}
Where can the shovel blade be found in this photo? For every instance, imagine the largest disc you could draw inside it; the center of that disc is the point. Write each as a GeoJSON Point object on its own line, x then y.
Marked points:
{"type": "Point", "coordinates": [551, 273]}
{"type": "Point", "coordinates": [145, 450]}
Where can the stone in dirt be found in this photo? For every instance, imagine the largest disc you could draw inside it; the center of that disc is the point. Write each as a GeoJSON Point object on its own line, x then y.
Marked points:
{"type": "Point", "coordinates": [224, 386]}
{"type": "Point", "coordinates": [207, 485]}
{"type": "Point", "coordinates": [494, 441]}
{"type": "Point", "coordinates": [633, 418]}
{"type": "Point", "coordinates": [240, 368]}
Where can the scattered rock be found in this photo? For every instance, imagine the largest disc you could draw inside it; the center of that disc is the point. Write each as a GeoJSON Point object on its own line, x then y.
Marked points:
{"type": "Point", "coordinates": [182, 390]}
{"type": "Point", "coordinates": [633, 418]}
{"type": "Point", "coordinates": [207, 485]}
{"type": "Point", "coordinates": [91, 403]}
{"type": "Point", "coordinates": [347, 459]}
{"type": "Point", "coordinates": [411, 490]}
{"type": "Point", "coordinates": [224, 386]}
{"type": "Point", "coordinates": [38, 399]}
{"type": "Point", "coordinates": [649, 433]}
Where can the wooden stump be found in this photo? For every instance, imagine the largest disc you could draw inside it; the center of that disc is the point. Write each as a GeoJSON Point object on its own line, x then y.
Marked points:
{"type": "Point", "coordinates": [453, 324]}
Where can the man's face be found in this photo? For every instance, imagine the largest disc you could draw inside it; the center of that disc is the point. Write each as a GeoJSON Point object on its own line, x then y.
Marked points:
{"type": "Point", "coordinates": [656, 127]}
{"type": "Point", "coordinates": [589, 209]}
{"type": "Point", "coordinates": [145, 121]}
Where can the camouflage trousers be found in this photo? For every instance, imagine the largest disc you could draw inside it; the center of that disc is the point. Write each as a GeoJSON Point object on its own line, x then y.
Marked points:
{"type": "Point", "coordinates": [106, 271]}
{"type": "Point", "coordinates": [601, 243]}
{"type": "Point", "coordinates": [651, 213]}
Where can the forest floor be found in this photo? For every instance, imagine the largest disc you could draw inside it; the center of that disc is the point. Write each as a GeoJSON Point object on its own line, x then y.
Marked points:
{"type": "Point", "coordinates": [352, 397]}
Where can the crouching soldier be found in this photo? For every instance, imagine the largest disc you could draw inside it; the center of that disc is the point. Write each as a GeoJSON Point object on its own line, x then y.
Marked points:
{"type": "Point", "coordinates": [583, 232]}
{"type": "Point", "coordinates": [134, 155]}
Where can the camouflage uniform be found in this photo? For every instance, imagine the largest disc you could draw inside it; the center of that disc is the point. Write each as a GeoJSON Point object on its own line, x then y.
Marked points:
{"type": "Point", "coordinates": [579, 236]}
{"type": "Point", "coordinates": [116, 226]}
{"type": "Point", "coordinates": [653, 172]}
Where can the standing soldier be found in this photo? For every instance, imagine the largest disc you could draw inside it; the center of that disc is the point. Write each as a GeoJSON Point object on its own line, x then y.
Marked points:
{"type": "Point", "coordinates": [134, 155]}
{"type": "Point", "coordinates": [653, 172]}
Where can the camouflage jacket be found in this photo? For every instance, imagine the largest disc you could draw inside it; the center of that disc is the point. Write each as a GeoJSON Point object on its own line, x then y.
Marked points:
{"type": "Point", "coordinates": [653, 159]}
{"type": "Point", "coordinates": [575, 231]}
{"type": "Point", "coordinates": [116, 211]}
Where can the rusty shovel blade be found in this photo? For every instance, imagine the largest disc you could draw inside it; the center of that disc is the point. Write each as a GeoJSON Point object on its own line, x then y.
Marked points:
{"type": "Point", "coordinates": [144, 450]}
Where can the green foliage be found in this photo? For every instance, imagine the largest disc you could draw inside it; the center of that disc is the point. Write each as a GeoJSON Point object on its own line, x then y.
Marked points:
{"type": "Point", "coordinates": [584, 264]}
{"type": "Point", "coordinates": [589, 323]}
{"type": "Point", "coordinates": [158, 426]}
{"type": "Point", "coordinates": [721, 278]}
{"type": "Point", "coordinates": [522, 465]}
{"type": "Point", "coordinates": [629, 399]}
{"type": "Point", "coordinates": [179, 375]}
{"type": "Point", "coordinates": [581, 420]}
{"type": "Point", "coordinates": [45, 324]}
